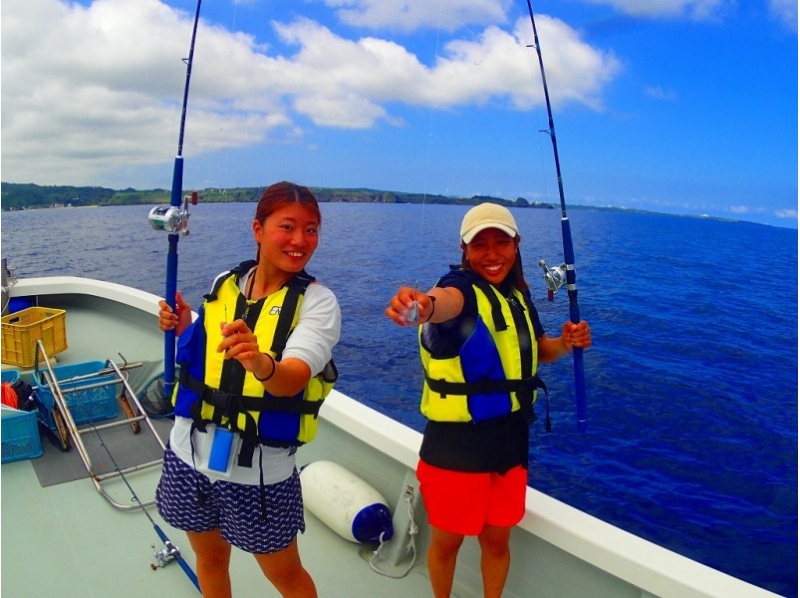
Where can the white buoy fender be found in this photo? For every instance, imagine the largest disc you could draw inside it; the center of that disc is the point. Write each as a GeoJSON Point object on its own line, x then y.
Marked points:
{"type": "Point", "coordinates": [345, 503]}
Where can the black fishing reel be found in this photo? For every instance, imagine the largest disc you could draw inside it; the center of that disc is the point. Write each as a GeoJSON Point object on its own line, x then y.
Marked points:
{"type": "Point", "coordinates": [172, 219]}
{"type": "Point", "coordinates": [555, 277]}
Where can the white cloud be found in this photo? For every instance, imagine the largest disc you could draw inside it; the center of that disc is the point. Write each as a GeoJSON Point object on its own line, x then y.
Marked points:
{"type": "Point", "coordinates": [90, 89]}
{"type": "Point", "coordinates": [785, 11]}
{"type": "Point", "coordinates": [738, 209]}
{"type": "Point", "coordinates": [695, 9]}
{"type": "Point", "coordinates": [330, 73]}
{"type": "Point", "coordinates": [790, 214]}
{"type": "Point", "coordinates": [661, 94]}
{"type": "Point", "coordinates": [342, 82]}
{"type": "Point", "coordinates": [411, 15]}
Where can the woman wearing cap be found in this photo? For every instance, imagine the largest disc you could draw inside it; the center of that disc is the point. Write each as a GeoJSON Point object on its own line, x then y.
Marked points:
{"type": "Point", "coordinates": [480, 341]}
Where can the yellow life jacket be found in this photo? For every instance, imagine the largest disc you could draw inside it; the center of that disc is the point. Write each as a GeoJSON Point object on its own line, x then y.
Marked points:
{"type": "Point", "coordinates": [494, 372]}
{"type": "Point", "coordinates": [212, 389]}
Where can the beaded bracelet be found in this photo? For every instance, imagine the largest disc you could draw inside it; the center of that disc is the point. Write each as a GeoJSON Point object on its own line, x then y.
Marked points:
{"type": "Point", "coordinates": [271, 374]}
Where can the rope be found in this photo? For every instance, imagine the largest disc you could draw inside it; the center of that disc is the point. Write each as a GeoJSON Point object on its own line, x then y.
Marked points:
{"type": "Point", "coordinates": [413, 530]}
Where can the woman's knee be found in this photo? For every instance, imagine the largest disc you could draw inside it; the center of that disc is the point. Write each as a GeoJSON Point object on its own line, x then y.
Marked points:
{"type": "Point", "coordinates": [445, 544]}
{"type": "Point", "coordinates": [210, 549]}
{"type": "Point", "coordinates": [283, 568]}
{"type": "Point", "coordinates": [494, 540]}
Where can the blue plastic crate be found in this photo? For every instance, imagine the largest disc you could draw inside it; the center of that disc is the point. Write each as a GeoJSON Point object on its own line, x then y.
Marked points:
{"type": "Point", "coordinates": [20, 435]}
{"type": "Point", "coordinates": [9, 375]}
{"type": "Point", "coordinates": [85, 404]}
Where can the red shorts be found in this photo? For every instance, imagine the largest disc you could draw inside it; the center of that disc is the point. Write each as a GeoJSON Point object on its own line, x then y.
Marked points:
{"type": "Point", "coordinates": [463, 502]}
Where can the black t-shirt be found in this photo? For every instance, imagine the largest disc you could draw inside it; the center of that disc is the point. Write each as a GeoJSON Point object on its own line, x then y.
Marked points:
{"type": "Point", "coordinates": [496, 445]}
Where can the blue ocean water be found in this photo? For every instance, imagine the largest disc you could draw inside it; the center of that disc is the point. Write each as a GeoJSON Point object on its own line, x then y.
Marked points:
{"type": "Point", "coordinates": [692, 381]}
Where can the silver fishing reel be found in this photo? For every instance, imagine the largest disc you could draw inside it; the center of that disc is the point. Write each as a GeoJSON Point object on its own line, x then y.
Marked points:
{"type": "Point", "coordinates": [555, 277]}
{"type": "Point", "coordinates": [172, 219]}
{"type": "Point", "coordinates": [165, 555]}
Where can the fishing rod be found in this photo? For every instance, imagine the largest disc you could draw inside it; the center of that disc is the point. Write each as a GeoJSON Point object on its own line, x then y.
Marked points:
{"type": "Point", "coordinates": [557, 276]}
{"type": "Point", "coordinates": [170, 551]}
{"type": "Point", "coordinates": [174, 220]}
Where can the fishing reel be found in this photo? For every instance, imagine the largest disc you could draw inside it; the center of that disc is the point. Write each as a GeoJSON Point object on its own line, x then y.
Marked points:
{"type": "Point", "coordinates": [165, 555]}
{"type": "Point", "coordinates": [555, 277]}
{"type": "Point", "coordinates": [172, 219]}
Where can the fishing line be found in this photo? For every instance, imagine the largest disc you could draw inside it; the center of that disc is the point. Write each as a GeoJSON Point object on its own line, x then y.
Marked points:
{"type": "Point", "coordinates": [413, 314]}
{"type": "Point", "coordinates": [170, 551]}
{"type": "Point", "coordinates": [552, 236]}
{"type": "Point", "coordinates": [462, 25]}
{"type": "Point", "coordinates": [228, 115]}
{"type": "Point", "coordinates": [544, 183]}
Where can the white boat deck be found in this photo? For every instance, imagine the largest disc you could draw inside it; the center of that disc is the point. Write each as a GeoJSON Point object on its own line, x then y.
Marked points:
{"type": "Point", "coordinates": [66, 540]}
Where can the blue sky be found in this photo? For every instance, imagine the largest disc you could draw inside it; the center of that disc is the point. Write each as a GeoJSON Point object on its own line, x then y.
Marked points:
{"type": "Point", "coordinates": [678, 106]}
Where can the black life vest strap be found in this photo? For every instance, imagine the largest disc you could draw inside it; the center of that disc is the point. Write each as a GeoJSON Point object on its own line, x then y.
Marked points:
{"type": "Point", "coordinates": [498, 320]}
{"type": "Point", "coordinates": [445, 387]}
{"type": "Point", "coordinates": [230, 404]}
{"type": "Point", "coordinates": [524, 390]}
{"type": "Point", "coordinates": [285, 318]}
{"type": "Point", "coordinates": [249, 442]}
{"type": "Point", "coordinates": [242, 268]}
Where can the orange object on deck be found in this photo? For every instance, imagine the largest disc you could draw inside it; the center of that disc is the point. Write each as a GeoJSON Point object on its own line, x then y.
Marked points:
{"type": "Point", "coordinates": [9, 396]}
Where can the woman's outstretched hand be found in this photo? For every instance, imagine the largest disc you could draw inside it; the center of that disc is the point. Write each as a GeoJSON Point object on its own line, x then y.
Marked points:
{"type": "Point", "coordinates": [402, 307]}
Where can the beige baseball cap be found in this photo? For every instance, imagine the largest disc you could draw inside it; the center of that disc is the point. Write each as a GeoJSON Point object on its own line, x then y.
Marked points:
{"type": "Point", "coordinates": [487, 215]}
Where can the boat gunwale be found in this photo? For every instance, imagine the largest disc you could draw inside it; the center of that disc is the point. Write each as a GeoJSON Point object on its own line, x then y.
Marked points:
{"type": "Point", "coordinates": [634, 560]}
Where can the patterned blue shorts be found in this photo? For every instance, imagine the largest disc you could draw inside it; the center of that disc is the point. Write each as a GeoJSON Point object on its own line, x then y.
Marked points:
{"type": "Point", "coordinates": [234, 509]}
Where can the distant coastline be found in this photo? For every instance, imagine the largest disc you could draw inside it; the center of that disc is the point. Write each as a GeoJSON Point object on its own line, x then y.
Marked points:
{"type": "Point", "coordinates": [29, 196]}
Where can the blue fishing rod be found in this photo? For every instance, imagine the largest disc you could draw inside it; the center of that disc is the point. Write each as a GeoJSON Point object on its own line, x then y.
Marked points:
{"type": "Point", "coordinates": [175, 221]}
{"type": "Point", "coordinates": [557, 276]}
{"type": "Point", "coordinates": [170, 551]}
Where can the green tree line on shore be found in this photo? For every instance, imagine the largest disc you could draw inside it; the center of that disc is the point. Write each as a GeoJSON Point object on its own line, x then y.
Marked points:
{"type": "Point", "coordinates": [17, 196]}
